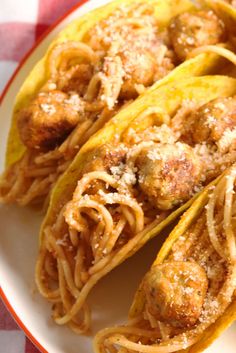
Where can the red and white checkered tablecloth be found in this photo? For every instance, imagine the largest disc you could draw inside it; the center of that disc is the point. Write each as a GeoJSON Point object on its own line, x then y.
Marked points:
{"type": "Point", "coordinates": [22, 22]}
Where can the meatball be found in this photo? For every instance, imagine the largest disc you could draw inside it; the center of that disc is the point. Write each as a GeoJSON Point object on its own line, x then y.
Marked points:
{"type": "Point", "coordinates": [210, 121]}
{"type": "Point", "coordinates": [104, 158]}
{"type": "Point", "coordinates": [168, 174]}
{"type": "Point", "coordinates": [175, 292]}
{"type": "Point", "coordinates": [47, 120]}
{"type": "Point", "coordinates": [76, 79]}
{"type": "Point", "coordinates": [192, 30]}
{"type": "Point", "coordinates": [140, 68]}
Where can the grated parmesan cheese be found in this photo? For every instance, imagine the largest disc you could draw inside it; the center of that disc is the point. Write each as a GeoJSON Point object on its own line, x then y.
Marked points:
{"type": "Point", "coordinates": [75, 101]}
{"type": "Point", "coordinates": [52, 86]}
{"type": "Point", "coordinates": [62, 241]}
{"type": "Point", "coordinates": [112, 198]}
{"type": "Point", "coordinates": [228, 139]}
{"type": "Point", "coordinates": [124, 173]}
{"type": "Point", "coordinates": [48, 108]}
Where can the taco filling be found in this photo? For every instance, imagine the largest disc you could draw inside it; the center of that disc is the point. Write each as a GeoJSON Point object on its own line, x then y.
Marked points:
{"type": "Point", "coordinates": [191, 288]}
{"type": "Point", "coordinates": [128, 187]}
{"type": "Point", "coordinates": [90, 81]}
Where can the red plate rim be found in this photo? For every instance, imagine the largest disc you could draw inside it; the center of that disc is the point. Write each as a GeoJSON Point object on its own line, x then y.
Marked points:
{"type": "Point", "coordinates": [7, 87]}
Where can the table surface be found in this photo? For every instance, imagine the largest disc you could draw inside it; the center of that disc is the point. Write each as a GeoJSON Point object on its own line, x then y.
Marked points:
{"type": "Point", "coordinates": [22, 22]}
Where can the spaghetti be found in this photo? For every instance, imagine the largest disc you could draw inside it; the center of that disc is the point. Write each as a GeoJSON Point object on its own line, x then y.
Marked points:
{"type": "Point", "coordinates": [127, 189]}
{"type": "Point", "coordinates": [191, 284]}
{"type": "Point", "coordinates": [89, 81]}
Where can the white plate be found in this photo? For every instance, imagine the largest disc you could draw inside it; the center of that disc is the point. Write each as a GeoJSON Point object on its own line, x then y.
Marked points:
{"type": "Point", "coordinates": [110, 299]}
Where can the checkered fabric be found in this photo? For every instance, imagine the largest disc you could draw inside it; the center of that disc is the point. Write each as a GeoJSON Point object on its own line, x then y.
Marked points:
{"type": "Point", "coordinates": [22, 22]}
{"type": "Point", "coordinates": [12, 339]}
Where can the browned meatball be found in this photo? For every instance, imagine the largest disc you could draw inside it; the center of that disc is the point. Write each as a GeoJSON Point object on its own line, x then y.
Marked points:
{"type": "Point", "coordinates": [47, 120]}
{"type": "Point", "coordinates": [211, 120]}
{"type": "Point", "coordinates": [192, 30]}
{"type": "Point", "coordinates": [140, 68]}
{"type": "Point", "coordinates": [168, 174]}
{"type": "Point", "coordinates": [76, 79]}
{"type": "Point", "coordinates": [104, 158]}
{"type": "Point", "coordinates": [175, 292]}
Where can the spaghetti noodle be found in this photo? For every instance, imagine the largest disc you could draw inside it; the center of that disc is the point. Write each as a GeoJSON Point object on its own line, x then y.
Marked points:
{"type": "Point", "coordinates": [128, 187]}
{"type": "Point", "coordinates": [190, 285]}
{"type": "Point", "coordinates": [89, 81]}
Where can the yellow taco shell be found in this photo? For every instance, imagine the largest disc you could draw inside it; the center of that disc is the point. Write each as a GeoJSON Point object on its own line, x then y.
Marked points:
{"type": "Point", "coordinates": [168, 98]}
{"type": "Point", "coordinates": [215, 330]}
{"type": "Point", "coordinates": [76, 31]}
